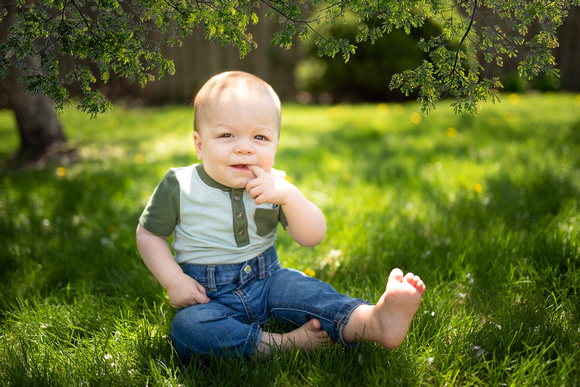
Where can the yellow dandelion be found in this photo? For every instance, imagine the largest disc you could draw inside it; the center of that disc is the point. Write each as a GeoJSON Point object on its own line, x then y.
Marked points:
{"type": "Point", "coordinates": [61, 171]}
{"type": "Point", "coordinates": [514, 99]}
{"type": "Point", "coordinates": [346, 176]}
{"type": "Point", "coordinates": [336, 111]}
{"type": "Point", "coordinates": [577, 99]}
{"type": "Point", "coordinates": [139, 158]}
{"type": "Point", "coordinates": [478, 188]}
{"type": "Point", "coordinates": [451, 132]}
{"type": "Point", "coordinates": [415, 118]}
{"type": "Point", "coordinates": [383, 108]}
{"type": "Point", "coordinates": [309, 272]}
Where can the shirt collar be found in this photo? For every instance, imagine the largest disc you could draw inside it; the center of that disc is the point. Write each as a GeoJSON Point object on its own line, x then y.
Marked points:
{"type": "Point", "coordinates": [209, 181]}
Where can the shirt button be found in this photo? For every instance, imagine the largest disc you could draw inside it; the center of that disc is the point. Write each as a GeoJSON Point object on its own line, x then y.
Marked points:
{"type": "Point", "coordinates": [240, 215]}
{"type": "Point", "coordinates": [247, 269]}
{"type": "Point", "coordinates": [241, 232]}
{"type": "Point", "coordinates": [237, 197]}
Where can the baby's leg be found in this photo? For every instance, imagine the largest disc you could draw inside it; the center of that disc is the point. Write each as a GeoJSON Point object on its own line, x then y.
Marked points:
{"type": "Point", "coordinates": [315, 306]}
{"type": "Point", "coordinates": [387, 322]}
{"type": "Point", "coordinates": [214, 329]}
{"type": "Point", "coordinates": [308, 337]}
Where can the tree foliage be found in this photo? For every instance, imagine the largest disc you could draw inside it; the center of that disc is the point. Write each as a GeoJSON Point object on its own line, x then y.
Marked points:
{"type": "Point", "coordinates": [101, 39]}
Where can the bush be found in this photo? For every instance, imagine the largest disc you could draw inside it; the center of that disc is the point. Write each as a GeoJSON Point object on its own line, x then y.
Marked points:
{"type": "Point", "coordinates": [366, 76]}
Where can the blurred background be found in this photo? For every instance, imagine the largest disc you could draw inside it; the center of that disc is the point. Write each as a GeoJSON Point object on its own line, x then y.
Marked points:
{"type": "Point", "coordinates": [300, 75]}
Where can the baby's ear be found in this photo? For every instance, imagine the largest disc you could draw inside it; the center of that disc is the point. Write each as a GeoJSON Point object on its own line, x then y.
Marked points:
{"type": "Point", "coordinates": [197, 142]}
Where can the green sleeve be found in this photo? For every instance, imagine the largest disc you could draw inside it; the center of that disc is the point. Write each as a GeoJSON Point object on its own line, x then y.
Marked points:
{"type": "Point", "coordinates": [282, 219]}
{"type": "Point", "coordinates": [161, 214]}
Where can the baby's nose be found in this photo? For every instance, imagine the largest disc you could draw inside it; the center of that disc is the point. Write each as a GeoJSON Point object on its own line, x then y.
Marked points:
{"type": "Point", "coordinates": [244, 147]}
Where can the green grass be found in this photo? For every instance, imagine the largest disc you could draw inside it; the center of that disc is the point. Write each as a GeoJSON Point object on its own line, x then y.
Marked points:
{"type": "Point", "coordinates": [485, 209]}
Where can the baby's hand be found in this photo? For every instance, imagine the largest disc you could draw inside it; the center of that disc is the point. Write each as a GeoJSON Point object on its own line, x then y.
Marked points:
{"type": "Point", "coordinates": [267, 187]}
{"type": "Point", "coordinates": [185, 291]}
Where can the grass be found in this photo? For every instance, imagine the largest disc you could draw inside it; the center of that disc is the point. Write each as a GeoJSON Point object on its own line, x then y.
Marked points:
{"type": "Point", "coordinates": [486, 209]}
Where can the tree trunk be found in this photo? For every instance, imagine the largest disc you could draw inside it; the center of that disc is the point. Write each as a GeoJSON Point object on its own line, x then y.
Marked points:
{"type": "Point", "coordinates": [41, 134]}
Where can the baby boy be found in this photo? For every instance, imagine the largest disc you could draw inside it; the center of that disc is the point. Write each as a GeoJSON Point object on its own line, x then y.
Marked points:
{"type": "Point", "coordinates": [225, 278]}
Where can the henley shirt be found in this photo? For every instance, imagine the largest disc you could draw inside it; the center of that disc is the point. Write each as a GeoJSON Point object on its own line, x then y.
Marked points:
{"type": "Point", "coordinates": [212, 224]}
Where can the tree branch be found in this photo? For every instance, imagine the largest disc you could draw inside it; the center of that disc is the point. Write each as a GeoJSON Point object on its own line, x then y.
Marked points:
{"type": "Point", "coordinates": [96, 39]}
{"type": "Point", "coordinates": [176, 8]}
{"type": "Point", "coordinates": [453, 70]}
{"type": "Point", "coordinates": [494, 29]}
{"type": "Point", "coordinates": [303, 22]}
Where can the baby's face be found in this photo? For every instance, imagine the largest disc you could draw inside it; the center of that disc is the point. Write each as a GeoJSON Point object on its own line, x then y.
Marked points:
{"type": "Point", "coordinates": [238, 131]}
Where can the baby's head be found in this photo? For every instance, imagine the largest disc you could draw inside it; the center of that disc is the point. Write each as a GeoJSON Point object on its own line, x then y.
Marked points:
{"type": "Point", "coordinates": [234, 86]}
{"type": "Point", "coordinates": [236, 127]}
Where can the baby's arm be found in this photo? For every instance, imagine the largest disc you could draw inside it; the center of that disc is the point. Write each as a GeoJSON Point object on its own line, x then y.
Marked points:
{"type": "Point", "coordinates": [182, 290]}
{"type": "Point", "coordinates": [306, 223]}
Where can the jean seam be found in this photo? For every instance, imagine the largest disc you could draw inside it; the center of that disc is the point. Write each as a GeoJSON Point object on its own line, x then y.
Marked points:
{"type": "Point", "coordinates": [252, 342]}
{"type": "Point", "coordinates": [247, 305]}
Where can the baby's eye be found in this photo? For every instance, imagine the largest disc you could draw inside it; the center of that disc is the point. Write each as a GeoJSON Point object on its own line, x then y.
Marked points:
{"type": "Point", "coordinates": [261, 138]}
{"type": "Point", "coordinates": [225, 135]}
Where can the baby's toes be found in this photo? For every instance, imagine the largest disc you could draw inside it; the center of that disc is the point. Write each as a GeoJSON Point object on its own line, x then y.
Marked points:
{"type": "Point", "coordinates": [313, 325]}
{"type": "Point", "coordinates": [418, 283]}
{"type": "Point", "coordinates": [409, 277]}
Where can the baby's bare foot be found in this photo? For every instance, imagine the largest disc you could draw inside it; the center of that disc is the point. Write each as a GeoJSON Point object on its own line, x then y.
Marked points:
{"type": "Point", "coordinates": [388, 321]}
{"type": "Point", "coordinates": [307, 337]}
{"type": "Point", "coordinates": [395, 309]}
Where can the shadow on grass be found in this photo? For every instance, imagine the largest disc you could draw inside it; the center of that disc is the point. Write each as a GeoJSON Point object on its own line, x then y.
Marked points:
{"type": "Point", "coordinates": [59, 230]}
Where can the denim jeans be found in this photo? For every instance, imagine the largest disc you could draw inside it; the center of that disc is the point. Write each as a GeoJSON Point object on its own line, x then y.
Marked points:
{"type": "Point", "coordinates": [245, 296]}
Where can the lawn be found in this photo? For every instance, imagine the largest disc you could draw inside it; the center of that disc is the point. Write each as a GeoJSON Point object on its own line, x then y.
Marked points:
{"type": "Point", "coordinates": [485, 209]}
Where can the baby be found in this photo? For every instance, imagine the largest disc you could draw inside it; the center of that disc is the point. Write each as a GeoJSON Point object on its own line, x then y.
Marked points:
{"type": "Point", "coordinates": [225, 277]}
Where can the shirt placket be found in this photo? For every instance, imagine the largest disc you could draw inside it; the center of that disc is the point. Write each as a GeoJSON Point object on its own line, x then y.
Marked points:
{"type": "Point", "coordinates": [240, 218]}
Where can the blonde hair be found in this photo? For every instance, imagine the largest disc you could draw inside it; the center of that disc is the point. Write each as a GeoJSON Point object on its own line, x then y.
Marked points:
{"type": "Point", "coordinates": [227, 84]}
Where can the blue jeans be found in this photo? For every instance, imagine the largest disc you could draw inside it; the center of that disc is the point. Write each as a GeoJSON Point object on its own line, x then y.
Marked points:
{"type": "Point", "coordinates": [245, 296]}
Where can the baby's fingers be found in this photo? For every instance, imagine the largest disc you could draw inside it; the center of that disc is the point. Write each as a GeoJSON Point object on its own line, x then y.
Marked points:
{"type": "Point", "coordinates": [258, 171]}
{"type": "Point", "coordinates": [254, 188]}
{"type": "Point", "coordinates": [200, 296]}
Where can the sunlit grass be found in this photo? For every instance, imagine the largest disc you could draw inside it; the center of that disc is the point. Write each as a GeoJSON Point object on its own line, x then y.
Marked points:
{"type": "Point", "coordinates": [485, 209]}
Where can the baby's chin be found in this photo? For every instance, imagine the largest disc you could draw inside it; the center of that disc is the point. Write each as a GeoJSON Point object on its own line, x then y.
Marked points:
{"type": "Point", "coordinates": [241, 183]}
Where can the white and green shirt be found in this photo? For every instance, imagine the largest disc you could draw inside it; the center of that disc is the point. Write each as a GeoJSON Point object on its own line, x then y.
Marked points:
{"type": "Point", "coordinates": [212, 223]}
